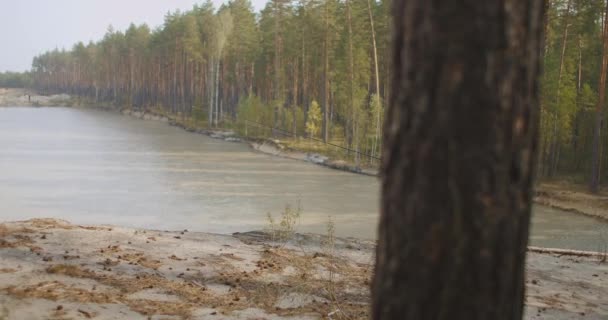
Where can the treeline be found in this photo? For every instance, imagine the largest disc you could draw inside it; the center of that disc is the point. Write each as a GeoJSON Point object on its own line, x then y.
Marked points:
{"type": "Point", "coordinates": [320, 68]}
{"type": "Point", "coordinates": [573, 86]}
{"type": "Point", "coordinates": [229, 64]}
{"type": "Point", "coordinates": [14, 80]}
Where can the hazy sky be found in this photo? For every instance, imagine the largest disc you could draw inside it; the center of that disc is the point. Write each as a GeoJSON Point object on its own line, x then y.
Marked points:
{"type": "Point", "coordinates": [30, 27]}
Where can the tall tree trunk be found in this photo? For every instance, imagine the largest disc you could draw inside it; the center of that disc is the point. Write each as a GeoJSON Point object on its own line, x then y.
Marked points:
{"type": "Point", "coordinates": [210, 82]}
{"type": "Point", "coordinates": [580, 65]}
{"type": "Point", "coordinates": [252, 76]}
{"type": "Point", "coordinates": [555, 147]}
{"type": "Point", "coordinates": [377, 78]}
{"type": "Point", "coordinates": [575, 131]}
{"type": "Point", "coordinates": [456, 197]}
{"type": "Point", "coordinates": [278, 93]}
{"type": "Point", "coordinates": [594, 184]}
{"type": "Point", "coordinates": [305, 87]}
{"type": "Point", "coordinates": [217, 92]}
{"type": "Point", "coordinates": [294, 105]}
{"type": "Point", "coordinates": [544, 48]}
{"type": "Point", "coordinates": [351, 77]}
{"type": "Point", "coordinates": [174, 89]}
{"type": "Point", "coordinates": [326, 87]}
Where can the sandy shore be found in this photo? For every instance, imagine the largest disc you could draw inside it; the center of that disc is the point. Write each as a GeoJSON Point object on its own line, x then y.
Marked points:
{"type": "Point", "coordinates": [24, 97]}
{"type": "Point", "coordinates": [267, 146]}
{"type": "Point", "coordinates": [573, 198]}
{"type": "Point", "coordinates": [276, 149]}
{"type": "Point", "coordinates": [563, 196]}
{"type": "Point", "coordinates": [50, 269]}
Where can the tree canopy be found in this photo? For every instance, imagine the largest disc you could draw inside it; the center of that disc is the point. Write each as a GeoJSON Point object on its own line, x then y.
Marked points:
{"type": "Point", "coordinates": [211, 59]}
{"type": "Point", "coordinates": [334, 52]}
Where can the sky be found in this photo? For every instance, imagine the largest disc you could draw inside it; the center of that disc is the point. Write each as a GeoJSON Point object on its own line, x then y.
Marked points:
{"type": "Point", "coordinates": [31, 27]}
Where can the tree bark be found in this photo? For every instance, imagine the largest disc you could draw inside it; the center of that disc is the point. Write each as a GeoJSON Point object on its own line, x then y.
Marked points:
{"type": "Point", "coordinates": [594, 183]}
{"type": "Point", "coordinates": [377, 80]}
{"type": "Point", "coordinates": [210, 83]}
{"type": "Point", "coordinates": [351, 80]}
{"type": "Point", "coordinates": [326, 87]}
{"type": "Point", "coordinates": [278, 42]}
{"type": "Point", "coordinates": [459, 156]}
{"type": "Point", "coordinates": [294, 106]}
{"type": "Point", "coordinates": [579, 106]}
{"type": "Point", "coordinates": [217, 92]}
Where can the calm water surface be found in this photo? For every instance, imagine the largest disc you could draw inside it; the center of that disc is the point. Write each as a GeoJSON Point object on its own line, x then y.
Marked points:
{"type": "Point", "coordinates": [97, 167]}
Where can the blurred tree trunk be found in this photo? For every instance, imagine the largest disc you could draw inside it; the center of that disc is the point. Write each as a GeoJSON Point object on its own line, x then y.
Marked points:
{"type": "Point", "coordinates": [459, 157]}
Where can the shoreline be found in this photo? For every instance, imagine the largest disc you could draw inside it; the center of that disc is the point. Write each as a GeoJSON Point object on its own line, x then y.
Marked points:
{"type": "Point", "coordinates": [275, 148]}
{"type": "Point", "coordinates": [27, 98]}
{"type": "Point", "coordinates": [11, 97]}
{"type": "Point", "coordinates": [267, 146]}
{"type": "Point", "coordinates": [53, 269]}
{"type": "Point", "coordinates": [572, 198]}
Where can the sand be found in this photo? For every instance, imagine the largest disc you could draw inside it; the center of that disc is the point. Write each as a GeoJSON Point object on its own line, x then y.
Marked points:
{"type": "Point", "coordinates": [573, 198]}
{"type": "Point", "coordinates": [51, 269]}
{"type": "Point", "coordinates": [24, 97]}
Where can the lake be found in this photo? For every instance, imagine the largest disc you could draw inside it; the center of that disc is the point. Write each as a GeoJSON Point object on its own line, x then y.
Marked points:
{"type": "Point", "coordinates": [96, 167]}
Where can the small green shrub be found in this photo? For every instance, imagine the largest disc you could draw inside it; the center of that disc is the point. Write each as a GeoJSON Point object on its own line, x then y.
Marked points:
{"type": "Point", "coordinates": [283, 229]}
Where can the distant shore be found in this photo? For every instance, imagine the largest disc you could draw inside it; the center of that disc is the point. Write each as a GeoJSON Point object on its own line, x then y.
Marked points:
{"type": "Point", "coordinates": [27, 98]}
{"type": "Point", "coordinates": [53, 269]}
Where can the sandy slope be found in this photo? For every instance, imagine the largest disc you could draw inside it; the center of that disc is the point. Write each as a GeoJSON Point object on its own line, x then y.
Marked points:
{"type": "Point", "coordinates": [50, 269]}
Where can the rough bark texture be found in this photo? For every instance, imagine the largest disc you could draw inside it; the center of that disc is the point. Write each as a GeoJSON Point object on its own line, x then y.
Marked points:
{"type": "Point", "coordinates": [458, 159]}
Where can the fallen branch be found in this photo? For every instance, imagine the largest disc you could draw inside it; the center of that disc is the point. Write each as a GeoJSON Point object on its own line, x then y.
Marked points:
{"type": "Point", "coordinates": [566, 252]}
{"type": "Point", "coordinates": [86, 314]}
{"type": "Point", "coordinates": [198, 284]}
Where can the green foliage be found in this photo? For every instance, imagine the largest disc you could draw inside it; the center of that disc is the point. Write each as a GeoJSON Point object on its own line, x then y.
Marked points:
{"type": "Point", "coordinates": [257, 66]}
{"type": "Point", "coordinates": [198, 113]}
{"type": "Point", "coordinates": [252, 114]}
{"type": "Point", "coordinates": [588, 98]}
{"type": "Point", "coordinates": [314, 118]}
{"type": "Point", "coordinates": [15, 80]}
{"type": "Point", "coordinates": [569, 85]}
{"type": "Point", "coordinates": [236, 64]}
{"type": "Point", "coordinates": [376, 111]}
{"type": "Point", "coordinates": [299, 120]}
